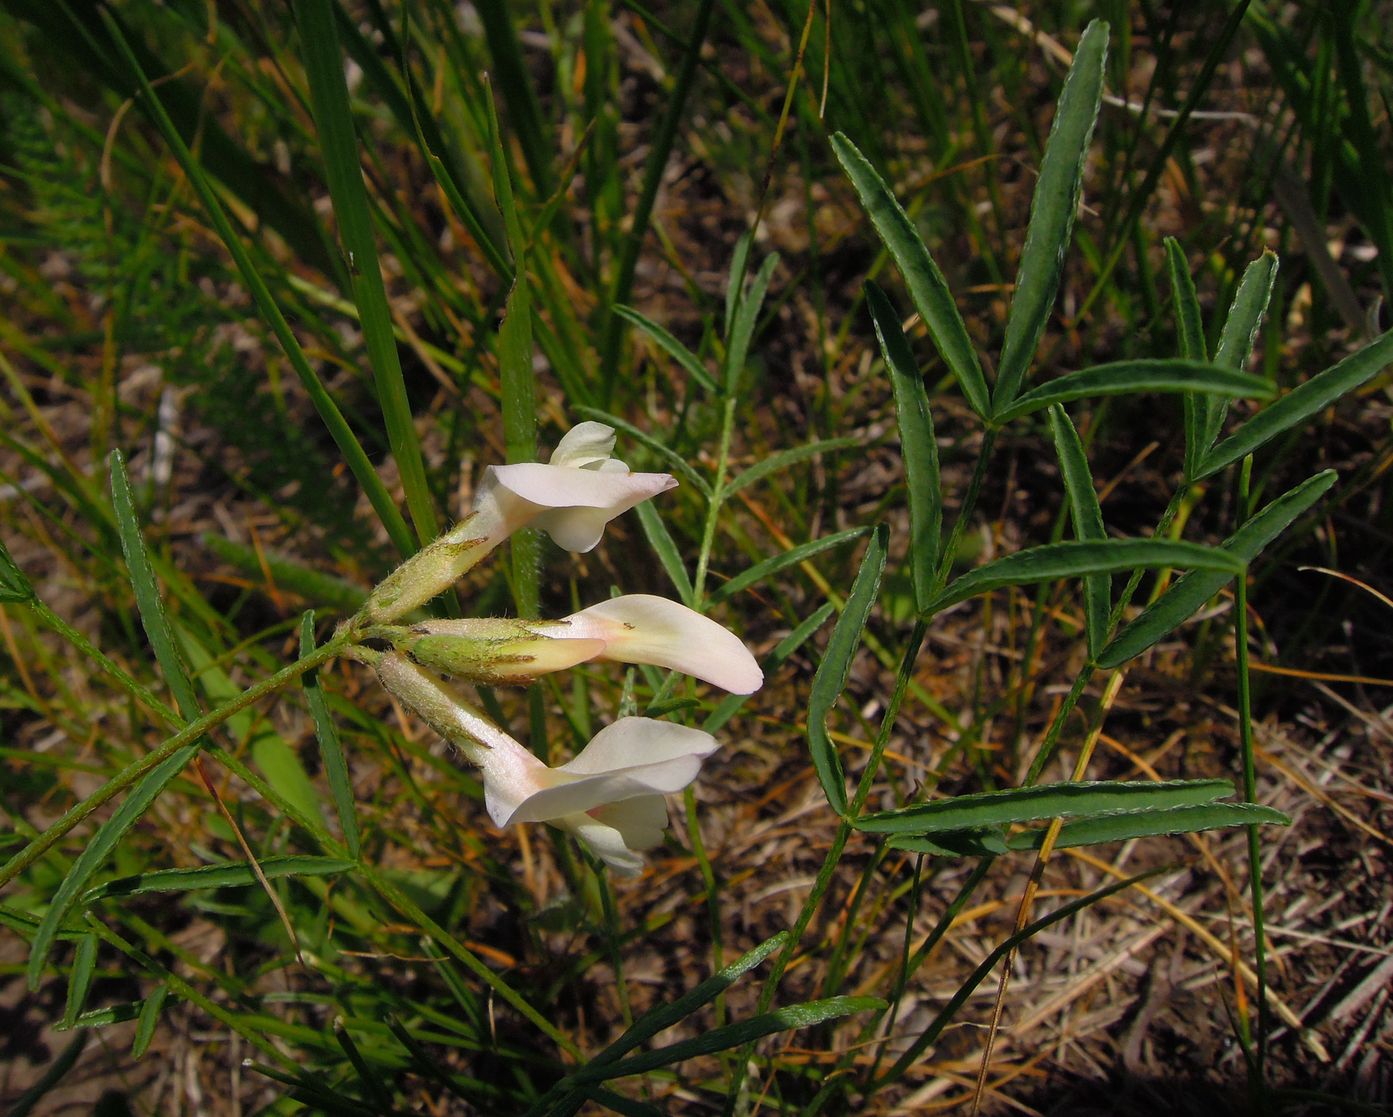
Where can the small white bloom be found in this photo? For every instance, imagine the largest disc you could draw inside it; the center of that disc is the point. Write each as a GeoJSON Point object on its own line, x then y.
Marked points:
{"type": "Point", "coordinates": [610, 795]}
{"type": "Point", "coordinates": [573, 496]}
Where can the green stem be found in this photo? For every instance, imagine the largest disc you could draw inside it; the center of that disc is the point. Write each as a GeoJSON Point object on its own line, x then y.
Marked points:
{"type": "Point", "coordinates": [1257, 1064]}
{"type": "Point", "coordinates": [713, 507]}
{"type": "Point", "coordinates": [137, 768]}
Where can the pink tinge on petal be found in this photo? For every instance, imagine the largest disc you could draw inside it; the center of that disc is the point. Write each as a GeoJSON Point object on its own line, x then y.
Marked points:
{"type": "Point", "coordinates": [641, 628]}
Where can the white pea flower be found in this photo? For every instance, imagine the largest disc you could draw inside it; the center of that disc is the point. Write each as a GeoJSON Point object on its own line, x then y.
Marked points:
{"type": "Point", "coordinates": [637, 628]}
{"type": "Point", "coordinates": [574, 495]}
{"type": "Point", "coordinates": [571, 498]}
{"type": "Point", "coordinates": [610, 795]}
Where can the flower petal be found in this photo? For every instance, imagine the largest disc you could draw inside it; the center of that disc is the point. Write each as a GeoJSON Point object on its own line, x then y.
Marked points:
{"type": "Point", "coordinates": [585, 444]}
{"type": "Point", "coordinates": [641, 821]}
{"type": "Point", "coordinates": [605, 842]}
{"type": "Point", "coordinates": [641, 628]}
{"type": "Point", "coordinates": [638, 741]}
{"type": "Point", "coordinates": [585, 793]}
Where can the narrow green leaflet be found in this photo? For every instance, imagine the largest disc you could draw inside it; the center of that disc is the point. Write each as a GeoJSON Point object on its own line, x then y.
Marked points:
{"type": "Point", "coordinates": [80, 981]}
{"type": "Point", "coordinates": [1240, 332]}
{"type": "Point", "coordinates": [927, 287]}
{"type": "Point", "coordinates": [1124, 825]}
{"type": "Point", "coordinates": [665, 1016]}
{"type": "Point", "coordinates": [1181, 600]}
{"type": "Point", "coordinates": [1077, 559]}
{"type": "Point", "coordinates": [14, 586]}
{"type": "Point", "coordinates": [917, 446]}
{"type": "Point", "coordinates": [1189, 327]}
{"type": "Point", "coordinates": [742, 329]}
{"type": "Point", "coordinates": [987, 809]}
{"type": "Point", "coordinates": [685, 358]}
{"type": "Point", "coordinates": [660, 539]}
{"type": "Point", "coordinates": [1125, 378]}
{"type": "Point", "coordinates": [772, 565]}
{"type": "Point", "coordinates": [1300, 404]}
{"type": "Point", "coordinates": [1087, 517]}
{"type": "Point", "coordinates": [835, 667]}
{"type": "Point", "coordinates": [785, 458]}
{"type": "Point", "coordinates": [330, 747]}
{"type": "Point", "coordinates": [733, 1035]}
{"type": "Point", "coordinates": [1052, 210]}
{"type": "Point", "coordinates": [731, 703]}
{"type": "Point", "coordinates": [148, 1020]}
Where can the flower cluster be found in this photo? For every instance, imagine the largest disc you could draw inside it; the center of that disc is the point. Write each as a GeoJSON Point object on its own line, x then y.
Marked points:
{"type": "Point", "coordinates": [610, 794]}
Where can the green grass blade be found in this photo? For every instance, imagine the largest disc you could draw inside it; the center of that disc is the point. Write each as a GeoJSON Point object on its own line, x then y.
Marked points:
{"type": "Point", "coordinates": [1189, 327]}
{"type": "Point", "coordinates": [742, 328]}
{"type": "Point", "coordinates": [663, 546]}
{"type": "Point", "coordinates": [1300, 404]}
{"type": "Point", "coordinates": [785, 458]}
{"type": "Point", "coordinates": [1087, 517]}
{"type": "Point", "coordinates": [80, 980]}
{"type": "Point", "coordinates": [927, 287]}
{"type": "Point", "coordinates": [918, 447]}
{"type": "Point", "coordinates": [735, 282]}
{"type": "Point", "coordinates": [148, 1020]}
{"type": "Point", "coordinates": [1126, 825]}
{"type": "Point", "coordinates": [330, 747]}
{"type": "Point", "coordinates": [658, 151]}
{"type": "Point", "coordinates": [1075, 559]}
{"type": "Point", "coordinates": [324, 66]}
{"type": "Point", "coordinates": [225, 874]}
{"type": "Point", "coordinates": [1125, 378]}
{"type": "Point", "coordinates": [832, 672]}
{"type": "Point", "coordinates": [524, 109]}
{"type": "Point", "coordinates": [734, 1035]}
{"type": "Point", "coordinates": [14, 586]}
{"type": "Point", "coordinates": [768, 567]}
{"type": "Point", "coordinates": [1052, 210]}
{"type": "Point", "coordinates": [1192, 590]}
{"type": "Point", "coordinates": [354, 456]}
{"type": "Point", "coordinates": [685, 358]}
{"type": "Point", "coordinates": [1240, 332]}
{"type": "Point", "coordinates": [1029, 804]}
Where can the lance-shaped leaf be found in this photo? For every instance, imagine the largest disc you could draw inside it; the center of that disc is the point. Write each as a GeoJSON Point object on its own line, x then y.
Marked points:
{"type": "Point", "coordinates": [925, 282]}
{"type": "Point", "coordinates": [1300, 404]}
{"type": "Point", "coordinates": [1052, 210]}
{"type": "Point", "coordinates": [1123, 826]}
{"type": "Point", "coordinates": [1087, 516]}
{"type": "Point", "coordinates": [917, 445]}
{"type": "Point", "coordinates": [832, 672]}
{"type": "Point", "coordinates": [14, 586]}
{"type": "Point", "coordinates": [1125, 378]}
{"type": "Point", "coordinates": [987, 809]}
{"type": "Point", "coordinates": [1182, 599]}
{"type": "Point", "coordinates": [1240, 332]}
{"type": "Point", "coordinates": [1077, 559]}
{"type": "Point", "coordinates": [222, 874]}
{"type": "Point", "coordinates": [1189, 328]}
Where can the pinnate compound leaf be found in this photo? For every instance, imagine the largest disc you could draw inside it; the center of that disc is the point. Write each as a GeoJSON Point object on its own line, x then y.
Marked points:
{"type": "Point", "coordinates": [1300, 404]}
{"type": "Point", "coordinates": [1169, 611]}
{"type": "Point", "coordinates": [927, 287]}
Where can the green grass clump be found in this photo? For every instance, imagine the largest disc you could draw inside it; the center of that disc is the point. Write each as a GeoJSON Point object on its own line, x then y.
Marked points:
{"type": "Point", "coordinates": [285, 281]}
